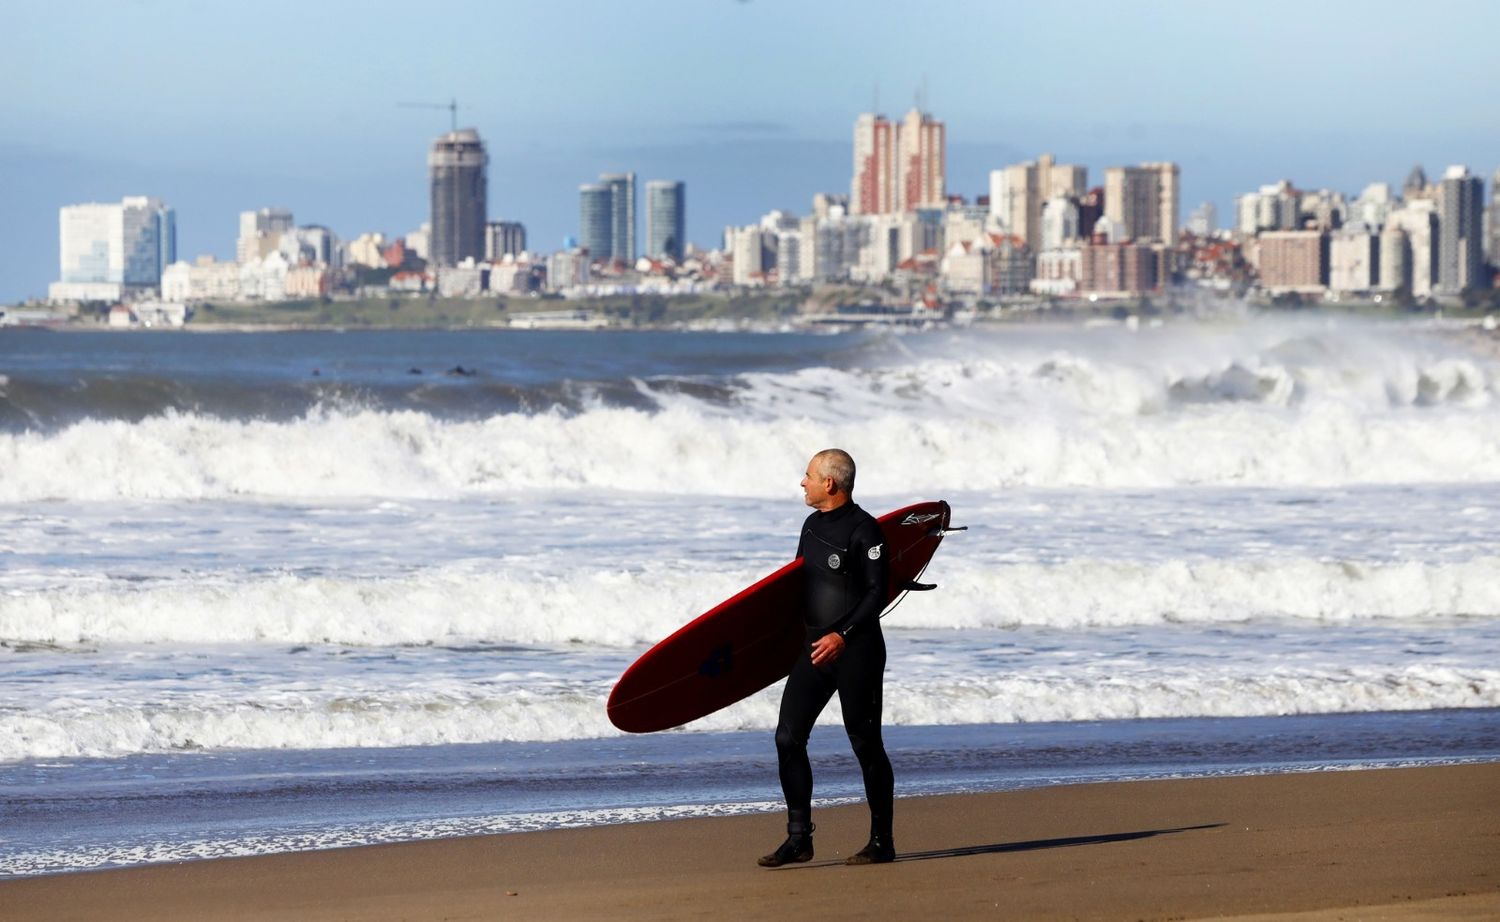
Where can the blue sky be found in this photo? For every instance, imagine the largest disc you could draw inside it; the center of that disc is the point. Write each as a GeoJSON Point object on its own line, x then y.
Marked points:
{"type": "Point", "coordinates": [221, 107]}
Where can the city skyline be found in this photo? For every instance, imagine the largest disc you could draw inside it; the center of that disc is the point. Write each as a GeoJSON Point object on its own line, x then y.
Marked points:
{"type": "Point", "coordinates": [1207, 98]}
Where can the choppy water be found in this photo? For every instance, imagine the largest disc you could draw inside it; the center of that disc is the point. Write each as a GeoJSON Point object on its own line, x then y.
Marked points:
{"type": "Point", "coordinates": [298, 548]}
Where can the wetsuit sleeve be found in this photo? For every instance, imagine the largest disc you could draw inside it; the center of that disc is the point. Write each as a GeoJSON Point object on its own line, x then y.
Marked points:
{"type": "Point", "coordinates": [871, 574]}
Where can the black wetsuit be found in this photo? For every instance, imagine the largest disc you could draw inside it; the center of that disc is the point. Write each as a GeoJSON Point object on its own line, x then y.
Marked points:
{"type": "Point", "coordinates": [847, 573]}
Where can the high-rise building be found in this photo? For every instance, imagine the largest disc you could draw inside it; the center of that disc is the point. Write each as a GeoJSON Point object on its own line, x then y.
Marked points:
{"type": "Point", "coordinates": [260, 232]}
{"type": "Point", "coordinates": [1017, 194]}
{"type": "Point", "coordinates": [1354, 259]}
{"type": "Point", "coordinates": [503, 238]}
{"type": "Point", "coordinates": [1395, 259]}
{"type": "Point", "coordinates": [1373, 204]}
{"type": "Point", "coordinates": [898, 167]}
{"type": "Point", "coordinates": [1417, 218]}
{"type": "Point", "coordinates": [921, 163]}
{"type": "Point", "coordinates": [1492, 221]}
{"type": "Point", "coordinates": [622, 215]}
{"type": "Point", "coordinates": [747, 248]}
{"type": "Point", "coordinates": [1169, 198]}
{"type": "Point", "coordinates": [107, 249]}
{"type": "Point", "coordinates": [606, 213]}
{"type": "Point", "coordinates": [1204, 220]}
{"type": "Point", "coordinates": [1016, 201]}
{"type": "Point", "coordinates": [1460, 230]}
{"type": "Point", "coordinates": [311, 244]}
{"type": "Point", "coordinates": [873, 189]}
{"type": "Point", "coordinates": [1059, 222]}
{"type": "Point", "coordinates": [1416, 185]}
{"type": "Point", "coordinates": [1324, 209]}
{"type": "Point", "coordinates": [1274, 207]}
{"type": "Point", "coordinates": [596, 231]}
{"type": "Point", "coordinates": [1144, 200]}
{"type": "Point", "coordinates": [457, 168]}
{"type": "Point", "coordinates": [666, 219]}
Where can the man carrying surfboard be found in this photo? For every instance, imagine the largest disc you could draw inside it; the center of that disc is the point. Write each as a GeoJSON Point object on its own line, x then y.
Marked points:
{"type": "Point", "coordinates": [843, 553]}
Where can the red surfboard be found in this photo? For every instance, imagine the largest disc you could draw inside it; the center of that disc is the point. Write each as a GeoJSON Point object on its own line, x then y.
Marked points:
{"type": "Point", "coordinates": [744, 644]}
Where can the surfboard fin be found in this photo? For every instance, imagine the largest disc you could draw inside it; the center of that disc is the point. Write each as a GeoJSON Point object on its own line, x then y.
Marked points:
{"type": "Point", "coordinates": [915, 586]}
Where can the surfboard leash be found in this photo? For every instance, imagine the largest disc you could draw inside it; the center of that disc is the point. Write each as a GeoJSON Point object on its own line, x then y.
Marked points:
{"type": "Point", "coordinates": [913, 584]}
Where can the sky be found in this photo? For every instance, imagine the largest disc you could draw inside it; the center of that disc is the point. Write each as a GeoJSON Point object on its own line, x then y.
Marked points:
{"type": "Point", "coordinates": [221, 107]}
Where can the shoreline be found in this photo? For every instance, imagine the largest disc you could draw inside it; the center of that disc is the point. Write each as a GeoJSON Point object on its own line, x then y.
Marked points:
{"type": "Point", "coordinates": [1416, 842]}
{"type": "Point", "coordinates": [754, 312]}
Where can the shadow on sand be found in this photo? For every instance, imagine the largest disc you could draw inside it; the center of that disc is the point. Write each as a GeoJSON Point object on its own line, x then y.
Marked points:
{"type": "Point", "coordinates": [1029, 846]}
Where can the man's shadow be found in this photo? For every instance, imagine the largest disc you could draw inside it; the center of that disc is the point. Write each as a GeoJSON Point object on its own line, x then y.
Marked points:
{"type": "Point", "coordinates": [1028, 846]}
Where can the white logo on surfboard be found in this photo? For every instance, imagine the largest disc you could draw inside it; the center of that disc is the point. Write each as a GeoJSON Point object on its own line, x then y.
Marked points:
{"type": "Point", "coordinates": [874, 552]}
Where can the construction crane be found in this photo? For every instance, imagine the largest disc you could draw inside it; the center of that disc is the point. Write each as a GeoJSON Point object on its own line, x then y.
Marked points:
{"type": "Point", "coordinates": [451, 105]}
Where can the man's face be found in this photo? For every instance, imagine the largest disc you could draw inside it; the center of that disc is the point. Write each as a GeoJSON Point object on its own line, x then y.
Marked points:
{"type": "Point", "coordinates": [814, 485]}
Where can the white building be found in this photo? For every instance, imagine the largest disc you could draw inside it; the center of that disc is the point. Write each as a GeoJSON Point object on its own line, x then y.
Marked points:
{"type": "Point", "coordinates": [512, 274]}
{"type": "Point", "coordinates": [881, 251]}
{"type": "Point", "coordinates": [366, 250]}
{"type": "Point", "coordinates": [1204, 220]}
{"type": "Point", "coordinates": [837, 243]}
{"type": "Point", "coordinates": [1274, 207]}
{"type": "Point", "coordinates": [420, 241]}
{"type": "Point", "coordinates": [204, 280]}
{"type": "Point", "coordinates": [747, 249]}
{"type": "Point", "coordinates": [1060, 222]}
{"type": "Point", "coordinates": [1058, 272]}
{"type": "Point", "coordinates": [1373, 204]}
{"type": "Point", "coordinates": [311, 244]}
{"type": "Point", "coordinates": [1395, 259]}
{"type": "Point", "coordinates": [988, 264]}
{"type": "Point", "coordinates": [807, 250]}
{"type": "Point", "coordinates": [964, 222]}
{"type": "Point", "coordinates": [789, 267]}
{"type": "Point", "coordinates": [108, 251]}
{"type": "Point", "coordinates": [568, 269]}
{"type": "Point", "coordinates": [1418, 218]}
{"type": "Point", "coordinates": [464, 280]}
{"type": "Point", "coordinates": [1323, 209]}
{"type": "Point", "coordinates": [1353, 260]}
{"type": "Point", "coordinates": [264, 279]}
{"type": "Point", "coordinates": [164, 313]}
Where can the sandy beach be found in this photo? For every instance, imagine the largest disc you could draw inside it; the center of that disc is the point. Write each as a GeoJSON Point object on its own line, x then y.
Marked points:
{"type": "Point", "coordinates": [1419, 843]}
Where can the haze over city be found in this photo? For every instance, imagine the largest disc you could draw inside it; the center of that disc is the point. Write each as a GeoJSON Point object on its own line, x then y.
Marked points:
{"type": "Point", "coordinates": [751, 104]}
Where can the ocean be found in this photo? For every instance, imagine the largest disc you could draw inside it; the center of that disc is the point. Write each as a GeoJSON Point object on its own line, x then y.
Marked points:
{"type": "Point", "coordinates": [262, 592]}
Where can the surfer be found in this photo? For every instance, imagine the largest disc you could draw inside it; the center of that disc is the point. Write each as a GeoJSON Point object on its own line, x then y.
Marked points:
{"type": "Point", "coordinates": [847, 573]}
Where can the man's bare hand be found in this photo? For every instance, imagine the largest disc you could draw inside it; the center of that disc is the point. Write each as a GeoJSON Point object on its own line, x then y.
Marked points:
{"type": "Point", "coordinates": [827, 649]}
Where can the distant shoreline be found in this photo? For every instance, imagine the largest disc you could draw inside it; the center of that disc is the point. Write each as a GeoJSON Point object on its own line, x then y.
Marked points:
{"type": "Point", "coordinates": [760, 311]}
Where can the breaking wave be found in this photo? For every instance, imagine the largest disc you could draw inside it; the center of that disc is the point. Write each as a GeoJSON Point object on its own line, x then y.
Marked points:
{"type": "Point", "coordinates": [459, 606]}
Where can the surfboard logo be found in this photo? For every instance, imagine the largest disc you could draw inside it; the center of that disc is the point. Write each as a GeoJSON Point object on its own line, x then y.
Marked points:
{"type": "Point", "coordinates": [874, 552]}
{"type": "Point", "coordinates": [834, 561]}
{"type": "Point", "coordinates": [916, 519]}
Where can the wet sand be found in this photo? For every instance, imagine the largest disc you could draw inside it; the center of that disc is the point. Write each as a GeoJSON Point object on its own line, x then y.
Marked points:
{"type": "Point", "coordinates": [1420, 843]}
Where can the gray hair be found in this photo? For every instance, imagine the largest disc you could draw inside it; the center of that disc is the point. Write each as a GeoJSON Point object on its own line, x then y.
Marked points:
{"type": "Point", "coordinates": [837, 464]}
